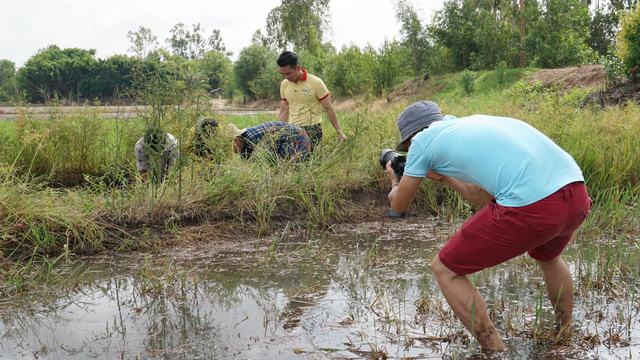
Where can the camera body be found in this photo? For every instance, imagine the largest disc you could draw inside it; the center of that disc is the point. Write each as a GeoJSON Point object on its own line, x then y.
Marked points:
{"type": "Point", "coordinates": [397, 161]}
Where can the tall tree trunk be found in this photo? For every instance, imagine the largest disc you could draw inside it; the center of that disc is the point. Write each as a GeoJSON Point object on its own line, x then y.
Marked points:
{"type": "Point", "coordinates": [514, 16]}
{"type": "Point", "coordinates": [522, 34]}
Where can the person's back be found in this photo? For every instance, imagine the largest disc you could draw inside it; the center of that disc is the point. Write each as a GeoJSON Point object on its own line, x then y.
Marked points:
{"type": "Point", "coordinates": [279, 138]}
{"type": "Point", "coordinates": [512, 160]}
{"type": "Point", "coordinates": [156, 152]}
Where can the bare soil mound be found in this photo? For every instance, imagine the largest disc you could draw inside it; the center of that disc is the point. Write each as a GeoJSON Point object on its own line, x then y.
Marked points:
{"type": "Point", "coordinates": [591, 76]}
{"type": "Point", "coordinates": [567, 78]}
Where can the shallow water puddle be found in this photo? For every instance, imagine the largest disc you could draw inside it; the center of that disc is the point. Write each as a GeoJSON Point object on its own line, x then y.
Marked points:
{"type": "Point", "coordinates": [364, 291]}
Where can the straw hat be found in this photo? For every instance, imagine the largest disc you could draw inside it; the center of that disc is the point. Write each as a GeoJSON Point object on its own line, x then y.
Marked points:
{"type": "Point", "coordinates": [234, 131]}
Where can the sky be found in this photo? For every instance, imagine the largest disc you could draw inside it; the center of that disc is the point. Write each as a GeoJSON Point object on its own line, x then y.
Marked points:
{"type": "Point", "coordinates": [27, 26]}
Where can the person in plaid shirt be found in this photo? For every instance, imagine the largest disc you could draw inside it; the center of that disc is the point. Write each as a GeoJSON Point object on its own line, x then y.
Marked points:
{"type": "Point", "coordinates": [279, 140]}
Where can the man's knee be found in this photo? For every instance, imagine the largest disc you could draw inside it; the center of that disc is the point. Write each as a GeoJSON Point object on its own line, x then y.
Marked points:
{"type": "Point", "coordinates": [440, 270]}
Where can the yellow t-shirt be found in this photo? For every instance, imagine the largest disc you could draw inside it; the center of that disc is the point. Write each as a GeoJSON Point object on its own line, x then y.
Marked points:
{"type": "Point", "coordinates": [304, 99]}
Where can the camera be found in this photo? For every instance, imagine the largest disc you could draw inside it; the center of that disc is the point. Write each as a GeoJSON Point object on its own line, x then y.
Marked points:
{"type": "Point", "coordinates": [397, 161]}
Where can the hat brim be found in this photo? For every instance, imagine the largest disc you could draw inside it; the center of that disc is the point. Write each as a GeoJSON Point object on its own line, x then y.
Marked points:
{"type": "Point", "coordinates": [403, 146]}
{"type": "Point", "coordinates": [234, 131]}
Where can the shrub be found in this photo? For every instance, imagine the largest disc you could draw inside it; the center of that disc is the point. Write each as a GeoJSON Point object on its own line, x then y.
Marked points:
{"type": "Point", "coordinates": [501, 72]}
{"type": "Point", "coordinates": [614, 70]}
{"type": "Point", "coordinates": [467, 81]}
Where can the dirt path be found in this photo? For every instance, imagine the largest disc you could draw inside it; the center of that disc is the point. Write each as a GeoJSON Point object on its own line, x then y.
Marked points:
{"type": "Point", "coordinates": [12, 112]}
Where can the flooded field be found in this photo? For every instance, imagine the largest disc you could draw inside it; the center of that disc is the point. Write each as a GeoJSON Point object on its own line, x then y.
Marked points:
{"type": "Point", "coordinates": [360, 291]}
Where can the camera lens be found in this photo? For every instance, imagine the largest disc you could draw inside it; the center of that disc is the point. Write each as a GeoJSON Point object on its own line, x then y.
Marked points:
{"type": "Point", "coordinates": [387, 155]}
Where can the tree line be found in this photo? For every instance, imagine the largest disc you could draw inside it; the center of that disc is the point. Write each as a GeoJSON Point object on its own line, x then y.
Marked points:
{"type": "Point", "coordinates": [464, 35]}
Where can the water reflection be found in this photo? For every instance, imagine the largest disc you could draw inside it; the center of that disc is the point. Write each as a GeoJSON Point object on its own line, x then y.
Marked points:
{"type": "Point", "coordinates": [359, 293]}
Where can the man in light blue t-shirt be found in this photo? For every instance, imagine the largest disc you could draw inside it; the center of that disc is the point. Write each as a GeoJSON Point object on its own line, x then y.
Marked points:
{"type": "Point", "coordinates": [533, 199]}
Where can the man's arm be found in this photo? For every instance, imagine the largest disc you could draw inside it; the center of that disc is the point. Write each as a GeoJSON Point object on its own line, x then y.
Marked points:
{"type": "Point", "coordinates": [403, 191]}
{"type": "Point", "coordinates": [331, 115]}
{"type": "Point", "coordinates": [284, 111]}
{"type": "Point", "coordinates": [472, 193]}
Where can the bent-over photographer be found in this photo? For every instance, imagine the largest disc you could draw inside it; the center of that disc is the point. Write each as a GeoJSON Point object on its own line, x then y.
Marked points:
{"type": "Point", "coordinates": [533, 197]}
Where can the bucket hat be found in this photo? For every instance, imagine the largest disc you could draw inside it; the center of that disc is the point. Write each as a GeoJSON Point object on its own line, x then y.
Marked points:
{"type": "Point", "coordinates": [415, 118]}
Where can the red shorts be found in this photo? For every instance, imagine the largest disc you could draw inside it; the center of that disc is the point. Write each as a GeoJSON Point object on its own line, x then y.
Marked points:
{"type": "Point", "coordinates": [497, 233]}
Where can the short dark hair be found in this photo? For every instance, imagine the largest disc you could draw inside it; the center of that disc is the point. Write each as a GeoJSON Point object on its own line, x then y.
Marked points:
{"type": "Point", "coordinates": [288, 58]}
{"type": "Point", "coordinates": [154, 138]}
{"type": "Point", "coordinates": [204, 130]}
{"type": "Point", "coordinates": [207, 126]}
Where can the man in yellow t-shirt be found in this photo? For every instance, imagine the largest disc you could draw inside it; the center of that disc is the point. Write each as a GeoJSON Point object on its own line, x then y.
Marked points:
{"type": "Point", "coordinates": [303, 97]}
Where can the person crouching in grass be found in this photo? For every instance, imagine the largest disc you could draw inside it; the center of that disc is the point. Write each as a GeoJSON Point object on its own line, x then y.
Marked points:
{"type": "Point", "coordinates": [279, 139]}
{"type": "Point", "coordinates": [156, 153]}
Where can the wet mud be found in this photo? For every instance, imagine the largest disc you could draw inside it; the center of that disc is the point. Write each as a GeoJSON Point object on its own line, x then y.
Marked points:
{"type": "Point", "coordinates": [360, 291]}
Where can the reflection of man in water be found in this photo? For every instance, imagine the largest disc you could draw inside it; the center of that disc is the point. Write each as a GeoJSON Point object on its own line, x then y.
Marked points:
{"type": "Point", "coordinates": [533, 197]}
{"type": "Point", "coordinates": [303, 98]}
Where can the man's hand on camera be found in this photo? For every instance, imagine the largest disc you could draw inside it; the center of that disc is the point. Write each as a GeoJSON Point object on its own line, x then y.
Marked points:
{"type": "Point", "coordinates": [390, 174]}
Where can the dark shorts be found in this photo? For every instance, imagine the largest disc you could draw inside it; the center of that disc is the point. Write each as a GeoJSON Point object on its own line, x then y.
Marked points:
{"type": "Point", "coordinates": [496, 233]}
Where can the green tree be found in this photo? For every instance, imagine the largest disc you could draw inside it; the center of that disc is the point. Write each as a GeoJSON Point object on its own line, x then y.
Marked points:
{"type": "Point", "coordinates": [602, 30]}
{"type": "Point", "coordinates": [196, 42]}
{"type": "Point", "coordinates": [179, 40]}
{"type": "Point", "coordinates": [256, 72]}
{"type": "Point", "coordinates": [193, 44]}
{"type": "Point", "coordinates": [347, 73]}
{"type": "Point", "coordinates": [218, 69]}
{"type": "Point", "coordinates": [7, 80]}
{"type": "Point", "coordinates": [605, 23]}
{"type": "Point", "coordinates": [414, 36]}
{"type": "Point", "coordinates": [493, 34]}
{"type": "Point", "coordinates": [215, 42]}
{"type": "Point", "coordinates": [557, 34]}
{"type": "Point", "coordinates": [258, 38]}
{"type": "Point", "coordinates": [386, 66]}
{"type": "Point", "coordinates": [54, 71]}
{"type": "Point", "coordinates": [143, 42]}
{"type": "Point", "coordinates": [629, 42]}
{"type": "Point", "coordinates": [454, 28]}
{"type": "Point", "coordinates": [299, 23]}
{"type": "Point", "coordinates": [623, 4]}
{"type": "Point", "coordinates": [111, 77]}
{"type": "Point", "coordinates": [475, 33]}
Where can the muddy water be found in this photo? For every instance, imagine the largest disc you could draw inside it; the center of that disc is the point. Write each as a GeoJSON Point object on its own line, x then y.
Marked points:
{"type": "Point", "coordinates": [361, 291]}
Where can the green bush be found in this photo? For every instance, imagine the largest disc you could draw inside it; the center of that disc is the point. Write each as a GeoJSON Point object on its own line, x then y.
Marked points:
{"type": "Point", "coordinates": [614, 70]}
{"type": "Point", "coordinates": [501, 72]}
{"type": "Point", "coordinates": [467, 81]}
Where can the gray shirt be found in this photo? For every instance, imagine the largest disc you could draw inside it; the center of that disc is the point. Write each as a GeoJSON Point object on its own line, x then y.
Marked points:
{"type": "Point", "coordinates": [170, 153]}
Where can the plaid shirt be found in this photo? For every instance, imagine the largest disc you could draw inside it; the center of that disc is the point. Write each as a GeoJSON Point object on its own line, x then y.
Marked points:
{"type": "Point", "coordinates": [280, 139]}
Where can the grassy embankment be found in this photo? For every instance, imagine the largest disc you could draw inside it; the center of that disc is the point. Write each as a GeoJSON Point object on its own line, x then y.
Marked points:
{"type": "Point", "coordinates": [43, 217]}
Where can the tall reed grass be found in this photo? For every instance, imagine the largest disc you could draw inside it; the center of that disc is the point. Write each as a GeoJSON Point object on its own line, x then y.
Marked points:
{"type": "Point", "coordinates": [73, 175]}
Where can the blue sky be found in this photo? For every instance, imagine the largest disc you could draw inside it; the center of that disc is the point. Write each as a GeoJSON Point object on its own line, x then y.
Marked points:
{"type": "Point", "coordinates": [29, 25]}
